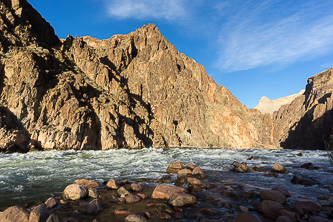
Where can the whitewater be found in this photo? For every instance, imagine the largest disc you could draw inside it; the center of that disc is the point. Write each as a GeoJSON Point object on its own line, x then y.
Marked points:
{"type": "Point", "coordinates": [39, 175]}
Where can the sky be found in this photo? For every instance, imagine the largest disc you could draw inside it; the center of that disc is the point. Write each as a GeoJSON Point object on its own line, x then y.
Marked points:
{"type": "Point", "coordinates": [254, 48]}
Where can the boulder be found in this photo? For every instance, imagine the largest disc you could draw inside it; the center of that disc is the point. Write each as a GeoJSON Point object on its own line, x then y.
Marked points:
{"type": "Point", "coordinates": [122, 192]}
{"type": "Point", "coordinates": [131, 198]}
{"type": "Point", "coordinates": [309, 206]}
{"type": "Point", "coordinates": [194, 181]}
{"type": "Point", "coordinates": [190, 166]}
{"type": "Point", "coordinates": [282, 190]}
{"type": "Point", "coordinates": [166, 191]}
{"type": "Point", "coordinates": [15, 214]}
{"type": "Point", "coordinates": [183, 173]}
{"type": "Point", "coordinates": [182, 199]}
{"type": "Point", "coordinates": [86, 183]}
{"type": "Point", "coordinates": [198, 172]}
{"type": "Point", "coordinates": [246, 217]}
{"type": "Point", "coordinates": [112, 184]}
{"type": "Point", "coordinates": [39, 213]}
{"type": "Point", "coordinates": [303, 180]}
{"type": "Point", "coordinates": [274, 195]}
{"type": "Point", "coordinates": [51, 202]}
{"type": "Point", "coordinates": [94, 206]}
{"type": "Point", "coordinates": [241, 167]}
{"type": "Point", "coordinates": [279, 168]}
{"type": "Point", "coordinates": [135, 218]}
{"type": "Point", "coordinates": [269, 208]}
{"type": "Point", "coordinates": [75, 192]}
{"type": "Point", "coordinates": [93, 192]}
{"type": "Point", "coordinates": [175, 167]}
{"type": "Point", "coordinates": [136, 187]}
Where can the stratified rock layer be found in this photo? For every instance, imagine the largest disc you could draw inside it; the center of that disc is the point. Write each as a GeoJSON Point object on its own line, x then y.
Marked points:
{"type": "Point", "coordinates": [130, 91]}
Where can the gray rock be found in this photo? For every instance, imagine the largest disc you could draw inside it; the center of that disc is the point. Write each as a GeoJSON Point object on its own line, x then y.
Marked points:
{"type": "Point", "coordinates": [94, 207]}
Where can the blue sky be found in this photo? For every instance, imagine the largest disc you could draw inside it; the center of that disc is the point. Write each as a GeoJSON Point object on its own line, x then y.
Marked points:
{"type": "Point", "coordinates": [254, 48]}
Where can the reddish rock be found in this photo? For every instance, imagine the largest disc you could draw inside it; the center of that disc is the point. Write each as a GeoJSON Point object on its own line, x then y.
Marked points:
{"type": "Point", "coordinates": [309, 206]}
{"type": "Point", "coordinates": [123, 212]}
{"type": "Point", "coordinates": [283, 219]}
{"type": "Point", "coordinates": [279, 168]}
{"type": "Point", "coordinates": [86, 183]}
{"type": "Point", "coordinates": [75, 192]}
{"type": "Point", "coordinates": [135, 218]}
{"type": "Point", "coordinates": [174, 167]}
{"type": "Point", "coordinates": [166, 191]}
{"type": "Point", "coordinates": [94, 206]}
{"type": "Point", "coordinates": [182, 199]}
{"type": "Point", "coordinates": [198, 172]}
{"type": "Point", "coordinates": [15, 214]}
{"type": "Point", "coordinates": [142, 195]}
{"type": "Point", "coordinates": [274, 195]}
{"type": "Point", "coordinates": [112, 184]}
{"type": "Point", "coordinates": [282, 190]}
{"type": "Point", "coordinates": [183, 173]}
{"type": "Point", "coordinates": [39, 213]}
{"type": "Point", "coordinates": [136, 187]}
{"type": "Point", "coordinates": [269, 208]}
{"type": "Point", "coordinates": [190, 166]}
{"type": "Point", "coordinates": [132, 198]}
{"type": "Point", "coordinates": [51, 202]}
{"type": "Point", "coordinates": [246, 217]}
{"type": "Point", "coordinates": [194, 181]}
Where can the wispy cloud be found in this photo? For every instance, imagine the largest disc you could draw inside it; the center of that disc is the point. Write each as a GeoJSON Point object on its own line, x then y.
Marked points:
{"type": "Point", "coordinates": [147, 9]}
{"type": "Point", "coordinates": [264, 34]}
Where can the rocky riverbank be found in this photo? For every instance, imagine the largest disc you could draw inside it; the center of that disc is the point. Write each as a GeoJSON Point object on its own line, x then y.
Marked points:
{"type": "Point", "coordinates": [185, 193]}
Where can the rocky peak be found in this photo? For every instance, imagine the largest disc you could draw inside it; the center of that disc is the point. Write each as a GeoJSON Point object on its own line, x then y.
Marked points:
{"type": "Point", "coordinates": [22, 25]}
{"type": "Point", "coordinates": [270, 106]}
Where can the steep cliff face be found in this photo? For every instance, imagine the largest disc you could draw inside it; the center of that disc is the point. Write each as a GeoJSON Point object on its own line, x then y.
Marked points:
{"type": "Point", "coordinates": [307, 122]}
{"type": "Point", "coordinates": [130, 91]}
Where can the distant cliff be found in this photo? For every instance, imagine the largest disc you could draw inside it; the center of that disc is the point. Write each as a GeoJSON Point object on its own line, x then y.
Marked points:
{"type": "Point", "coordinates": [269, 106]}
{"type": "Point", "coordinates": [130, 91]}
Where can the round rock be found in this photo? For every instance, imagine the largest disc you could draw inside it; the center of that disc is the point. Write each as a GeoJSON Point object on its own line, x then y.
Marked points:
{"type": "Point", "coordinates": [75, 192]}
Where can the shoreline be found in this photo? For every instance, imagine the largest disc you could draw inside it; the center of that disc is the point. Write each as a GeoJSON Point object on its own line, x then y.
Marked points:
{"type": "Point", "coordinates": [216, 200]}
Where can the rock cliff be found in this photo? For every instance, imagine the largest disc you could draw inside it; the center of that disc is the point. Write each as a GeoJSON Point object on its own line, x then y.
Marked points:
{"type": "Point", "coordinates": [129, 91]}
{"type": "Point", "coordinates": [307, 122]}
{"type": "Point", "coordinates": [269, 106]}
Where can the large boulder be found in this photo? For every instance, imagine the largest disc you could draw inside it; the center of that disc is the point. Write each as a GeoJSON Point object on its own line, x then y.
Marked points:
{"type": "Point", "coordinates": [183, 173]}
{"type": "Point", "coordinates": [182, 199]}
{"type": "Point", "coordinates": [15, 214]}
{"type": "Point", "coordinates": [75, 192]}
{"type": "Point", "coordinates": [274, 195]}
{"type": "Point", "coordinates": [39, 213]}
{"type": "Point", "coordinates": [269, 208]}
{"type": "Point", "coordinates": [166, 191]}
{"type": "Point", "coordinates": [279, 168]}
{"type": "Point", "coordinates": [174, 167]}
{"type": "Point", "coordinates": [241, 167]}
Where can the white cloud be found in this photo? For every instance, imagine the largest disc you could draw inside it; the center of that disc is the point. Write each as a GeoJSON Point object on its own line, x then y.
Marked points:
{"type": "Point", "coordinates": [261, 36]}
{"type": "Point", "coordinates": [143, 9]}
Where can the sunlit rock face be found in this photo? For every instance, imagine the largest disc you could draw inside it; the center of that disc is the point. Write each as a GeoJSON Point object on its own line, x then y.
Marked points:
{"type": "Point", "coordinates": [129, 91]}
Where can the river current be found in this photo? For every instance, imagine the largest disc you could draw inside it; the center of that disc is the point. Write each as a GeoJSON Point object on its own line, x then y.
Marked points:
{"type": "Point", "coordinates": [39, 175]}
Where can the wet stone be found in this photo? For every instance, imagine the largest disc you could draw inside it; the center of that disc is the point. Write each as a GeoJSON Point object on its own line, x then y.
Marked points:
{"type": "Point", "coordinates": [135, 218]}
{"type": "Point", "coordinates": [51, 202]}
{"type": "Point", "coordinates": [122, 192]}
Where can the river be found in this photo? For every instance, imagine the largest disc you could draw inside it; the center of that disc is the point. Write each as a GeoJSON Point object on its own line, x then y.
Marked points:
{"type": "Point", "coordinates": [39, 175]}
